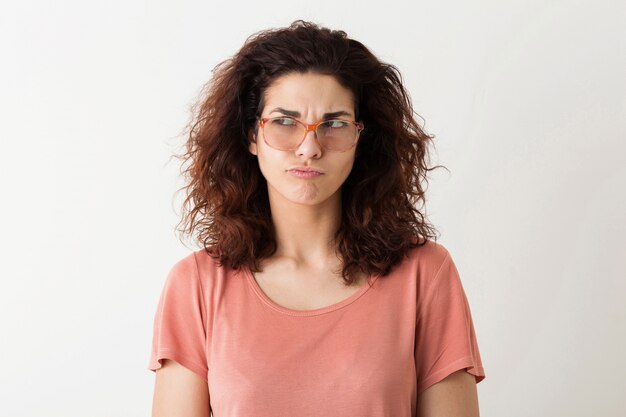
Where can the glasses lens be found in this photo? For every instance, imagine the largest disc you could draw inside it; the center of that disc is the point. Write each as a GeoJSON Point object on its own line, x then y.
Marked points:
{"type": "Point", "coordinates": [337, 135]}
{"type": "Point", "coordinates": [283, 133]}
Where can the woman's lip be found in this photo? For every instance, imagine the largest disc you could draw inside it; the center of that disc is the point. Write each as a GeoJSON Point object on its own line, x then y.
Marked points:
{"type": "Point", "coordinates": [305, 169]}
{"type": "Point", "coordinates": [304, 174]}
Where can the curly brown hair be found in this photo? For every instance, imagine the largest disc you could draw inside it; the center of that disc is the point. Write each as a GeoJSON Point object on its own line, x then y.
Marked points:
{"type": "Point", "coordinates": [227, 204]}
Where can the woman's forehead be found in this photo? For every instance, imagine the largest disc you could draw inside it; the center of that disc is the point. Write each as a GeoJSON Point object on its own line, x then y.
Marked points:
{"type": "Point", "coordinates": [307, 92]}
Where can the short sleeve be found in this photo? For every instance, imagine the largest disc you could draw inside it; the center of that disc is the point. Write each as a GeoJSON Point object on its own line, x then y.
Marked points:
{"type": "Point", "coordinates": [179, 331]}
{"type": "Point", "coordinates": [445, 338]}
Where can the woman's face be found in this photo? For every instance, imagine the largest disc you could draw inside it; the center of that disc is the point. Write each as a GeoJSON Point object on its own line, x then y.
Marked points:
{"type": "Point", "coordinates": [308, 98]}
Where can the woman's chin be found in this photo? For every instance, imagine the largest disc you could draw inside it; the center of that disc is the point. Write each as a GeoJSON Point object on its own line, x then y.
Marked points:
{"type": "Point", "coordinates": [306, 197]}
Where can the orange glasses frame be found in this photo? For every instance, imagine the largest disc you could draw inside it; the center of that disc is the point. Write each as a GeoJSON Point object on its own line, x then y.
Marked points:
{"type": "Point", "coordinates": [312, 128]}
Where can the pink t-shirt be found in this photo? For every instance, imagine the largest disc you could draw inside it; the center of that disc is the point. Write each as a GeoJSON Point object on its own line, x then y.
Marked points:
{"type": "Point", "coordinates": [368, 355]}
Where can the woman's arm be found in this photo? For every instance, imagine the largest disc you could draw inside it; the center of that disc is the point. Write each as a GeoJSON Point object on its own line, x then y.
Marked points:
{"type": "Point", "coordinates": [179, 392]}
{"type": "Point", "coordinates": [454, 396]}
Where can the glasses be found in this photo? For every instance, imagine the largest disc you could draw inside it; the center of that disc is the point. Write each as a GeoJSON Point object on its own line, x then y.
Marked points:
{"type": "Point", "coordinates": [287, 134]}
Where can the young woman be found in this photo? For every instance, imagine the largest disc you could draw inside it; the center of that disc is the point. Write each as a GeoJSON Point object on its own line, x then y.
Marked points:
{"type": "Point", "coordinates": [319, 290]}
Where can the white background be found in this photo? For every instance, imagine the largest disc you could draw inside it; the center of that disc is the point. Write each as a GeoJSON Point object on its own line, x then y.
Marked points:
{"type": "Point", "coordinates": [527, 100]}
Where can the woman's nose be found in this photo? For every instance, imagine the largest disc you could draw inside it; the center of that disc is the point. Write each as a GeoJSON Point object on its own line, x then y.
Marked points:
{"type": "Point", "coordinates": [310, 147]}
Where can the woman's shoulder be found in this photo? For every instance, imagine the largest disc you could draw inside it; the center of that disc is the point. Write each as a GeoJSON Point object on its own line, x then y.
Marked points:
{"type": "Point", "coordinates": [434, 267]}
{"type": "Point", "coordinates": [420, 268]}
{"type": "Point", "coordinates": [202, 266]}
{"type": "Point", "coordinates": [425, 262]}
{"type": "Point", "coordinates": [430, 253]}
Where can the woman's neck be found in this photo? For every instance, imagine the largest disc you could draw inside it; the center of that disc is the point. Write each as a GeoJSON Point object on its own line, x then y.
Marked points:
{"type": "Point", "coordinates": [305, 233]}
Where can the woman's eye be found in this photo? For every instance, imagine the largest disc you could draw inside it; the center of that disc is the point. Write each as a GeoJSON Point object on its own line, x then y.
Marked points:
{"type": "Point", "coordinates": [283, 121]}
{"type": "Point", "coordinates": [336, 124]}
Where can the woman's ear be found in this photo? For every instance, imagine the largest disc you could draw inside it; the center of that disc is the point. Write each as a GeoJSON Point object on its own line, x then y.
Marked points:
{"type": "Point", "coordinates": [252, 142]}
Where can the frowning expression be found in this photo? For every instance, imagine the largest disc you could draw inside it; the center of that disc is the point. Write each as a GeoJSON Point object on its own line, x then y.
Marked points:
{"type": "Point", "coordinates": [309, 98]}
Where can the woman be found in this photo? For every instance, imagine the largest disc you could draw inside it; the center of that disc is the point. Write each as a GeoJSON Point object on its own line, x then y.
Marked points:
{"type": "Point", "coordinates": [319, 291]}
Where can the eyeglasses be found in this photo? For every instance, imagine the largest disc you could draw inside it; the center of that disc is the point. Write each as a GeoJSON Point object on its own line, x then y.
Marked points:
{"type": "Point", "coordinates": [287, 133]}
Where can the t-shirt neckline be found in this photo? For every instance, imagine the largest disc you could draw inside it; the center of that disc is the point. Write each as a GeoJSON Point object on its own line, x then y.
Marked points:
{"type": "Point", "coordinates": [306, 313]}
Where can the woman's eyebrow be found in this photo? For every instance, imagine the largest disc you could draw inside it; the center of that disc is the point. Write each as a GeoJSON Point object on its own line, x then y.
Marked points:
{"type": "Point", "coordinates": [293, 113]}
{"type": "Point", "coordinates": [290, 113]}
{"type": "Point", "coordinates": [336, 114]}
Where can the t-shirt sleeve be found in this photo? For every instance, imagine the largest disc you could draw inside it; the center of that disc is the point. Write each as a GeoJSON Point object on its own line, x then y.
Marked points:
{"type": "Point", "coordinates": [445, 337]}
{"type": "Point", "coordinates": [179, 331]}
